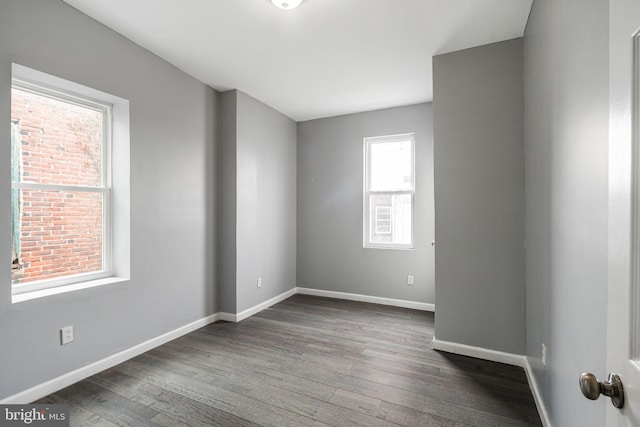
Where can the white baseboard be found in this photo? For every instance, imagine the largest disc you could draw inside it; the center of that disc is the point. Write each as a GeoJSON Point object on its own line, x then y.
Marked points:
{"type": "Point", "coordinates": [230, 317]}
{"type": "Point", "coordinates": [479, 352]}
{"type": "Point", "coordinates": [51, 386]}
{"type": "Point", "coordinates": [366, 298]}
{"type": "Point", "coordinates": [537, 394]}
{"type": "Point", "coordinates": [501, 357]}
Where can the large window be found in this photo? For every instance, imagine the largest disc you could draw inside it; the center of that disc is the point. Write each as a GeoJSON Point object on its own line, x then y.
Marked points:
{"type": "Point", "coordinates": [61, 193]}
{"type": "Point", "coordinates": [62, 218]}
{"type": "Point", "coordinates": [389, 191]}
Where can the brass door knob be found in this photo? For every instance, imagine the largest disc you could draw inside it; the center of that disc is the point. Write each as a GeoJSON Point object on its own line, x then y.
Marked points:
{"type": "Point", "coordinates": [592, 388]}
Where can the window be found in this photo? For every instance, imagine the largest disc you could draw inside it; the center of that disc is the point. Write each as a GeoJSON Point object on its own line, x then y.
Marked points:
{"type": "Point", "coordinates": [62, 190]}
{"type": "Point", "coordinates": [389, 191]}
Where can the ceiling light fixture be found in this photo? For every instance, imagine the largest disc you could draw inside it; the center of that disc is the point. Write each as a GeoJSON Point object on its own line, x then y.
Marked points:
{"type": "Point", "coordinates": [286, 4]}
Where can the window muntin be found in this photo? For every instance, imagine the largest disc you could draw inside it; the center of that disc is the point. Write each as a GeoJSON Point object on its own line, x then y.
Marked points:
{"type": "Point", "coordinates": [60, 187]}
{"type": "Point", "coordinates": [389, 187]}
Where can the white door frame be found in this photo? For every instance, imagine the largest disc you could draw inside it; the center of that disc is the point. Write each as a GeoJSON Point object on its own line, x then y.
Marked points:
{"type": "Point", "coordinates": [624, 232]}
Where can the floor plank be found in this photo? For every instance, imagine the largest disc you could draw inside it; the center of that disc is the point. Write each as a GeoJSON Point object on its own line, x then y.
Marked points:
{"type": "Point", "coordinates": [307, 361]}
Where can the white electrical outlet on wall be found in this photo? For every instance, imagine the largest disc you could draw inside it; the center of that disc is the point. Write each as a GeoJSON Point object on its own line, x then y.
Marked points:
{"type": "Point", "coordinates": [66, 335]}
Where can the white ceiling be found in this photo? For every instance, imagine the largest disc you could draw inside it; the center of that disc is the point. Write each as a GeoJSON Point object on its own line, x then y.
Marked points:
{"type": "Point", "coordinates": [325, 58]}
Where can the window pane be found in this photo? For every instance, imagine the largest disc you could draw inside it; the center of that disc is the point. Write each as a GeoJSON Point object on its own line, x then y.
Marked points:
{"type": "Point", "coordinates": [390, 221]}
{"type": "Point", "coordinates": [391, 166]}
{"type": "Point", "coordinates": [60, 142]}
{"type": "Point", "coordinates": [60, 234]}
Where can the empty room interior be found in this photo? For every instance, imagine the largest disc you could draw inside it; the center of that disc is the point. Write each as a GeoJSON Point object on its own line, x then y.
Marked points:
{"type": "Point", "coordinates": [317, 212]}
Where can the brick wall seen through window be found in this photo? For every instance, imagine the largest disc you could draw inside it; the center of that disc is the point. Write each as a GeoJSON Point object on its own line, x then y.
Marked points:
{"type": "Point", "coordinates": [60, 232]}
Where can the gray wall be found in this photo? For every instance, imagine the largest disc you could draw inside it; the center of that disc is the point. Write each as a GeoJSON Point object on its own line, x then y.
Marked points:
{"type": "Point", "coordinates": [566, 134]}
{"type": "Point", "coordinates": [479, 196]}
{"type": "Point", "coordinates": [259, 202]}
{"type": "Point", "coordinates": [227, 208]}
{"type": "Point", "coordinates": [330, 174]}
{"type": "Point", "coordinates": [266, 220]}
{"type": "Point", "coordinates": [172, 197]}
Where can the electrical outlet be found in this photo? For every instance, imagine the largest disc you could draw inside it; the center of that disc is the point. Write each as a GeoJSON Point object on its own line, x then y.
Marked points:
{"type": "Point", "coordinates": [544, 355]}
{"type": "Point", "coordinates": [410, 280]}
{"type": "Point", "coordinates": [259, 282]}
{"type": "Point", "coordinates": [66, 335]}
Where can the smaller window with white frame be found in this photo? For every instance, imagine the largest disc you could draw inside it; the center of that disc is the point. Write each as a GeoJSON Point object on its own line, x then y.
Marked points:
{"type": "Point", "coordinates": [389, 191]}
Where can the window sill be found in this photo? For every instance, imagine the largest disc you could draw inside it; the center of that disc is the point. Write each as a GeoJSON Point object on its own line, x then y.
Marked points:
{"type": "Point", "coordinates": [27, 296]}
{"type": "Point", "coordinates": [393, 248]}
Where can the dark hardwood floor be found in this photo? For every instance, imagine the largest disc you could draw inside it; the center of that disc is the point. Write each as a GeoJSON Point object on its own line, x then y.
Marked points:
{"type": "Point", "coordinates": [307, 361]}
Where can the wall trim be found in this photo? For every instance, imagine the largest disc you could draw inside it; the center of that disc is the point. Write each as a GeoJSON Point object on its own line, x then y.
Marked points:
{"type": "Point", "coordinates": [367, 298]}
{"type": "Point", "coordinates": [262, 306]}
{"type": "Point", "coordinates": [537, 394]}
{"type": "Point", "coordinates": [501, 357]}
{"type": "Point", "coordinates": [227, 317]}
{"type": "Point", "coordinates": [479, 352]}
{"type": "Point", "coordinates": [65, 380]}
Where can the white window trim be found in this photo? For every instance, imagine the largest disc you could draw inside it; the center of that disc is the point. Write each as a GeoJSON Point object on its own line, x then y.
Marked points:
{"type": "Point", "coordinates": [367, 192]}
{"type": "Point", "coordinates": [116, 191]}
